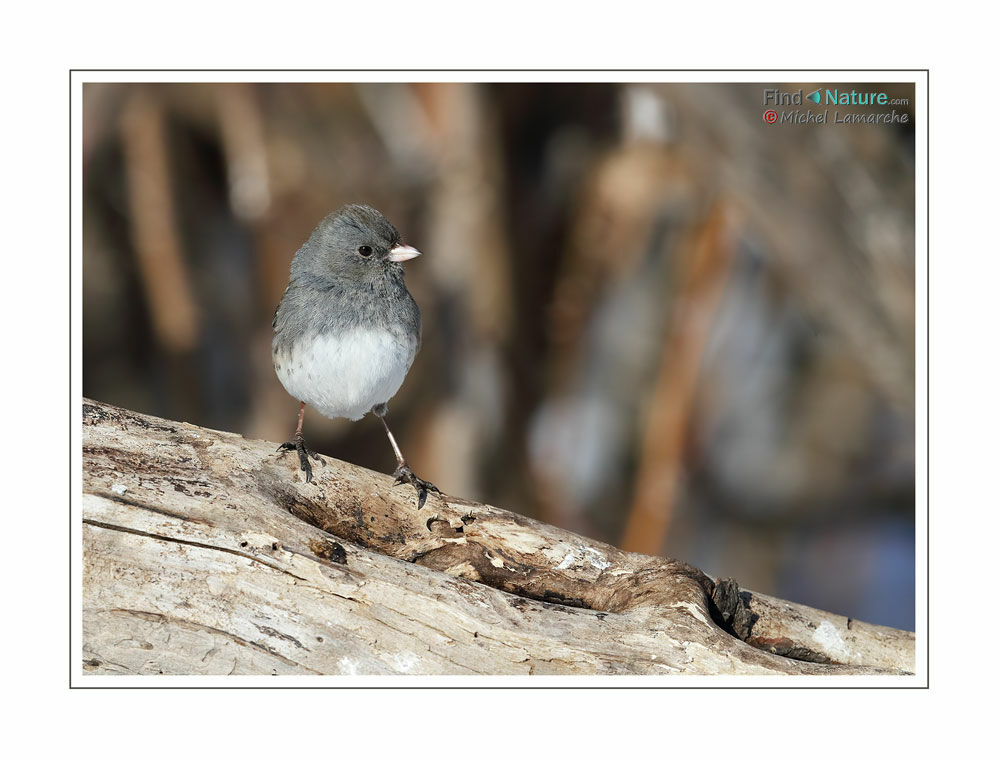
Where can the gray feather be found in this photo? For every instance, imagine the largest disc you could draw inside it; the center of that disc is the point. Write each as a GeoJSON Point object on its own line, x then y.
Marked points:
{"type": "Point", "coordinates": [333, 288]}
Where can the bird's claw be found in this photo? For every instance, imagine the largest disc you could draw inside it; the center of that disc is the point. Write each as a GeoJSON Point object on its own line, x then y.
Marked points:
{"type": "Point", "coordinates": [298, 445]}
{"type": "Point", "coordinates": [404, 474]}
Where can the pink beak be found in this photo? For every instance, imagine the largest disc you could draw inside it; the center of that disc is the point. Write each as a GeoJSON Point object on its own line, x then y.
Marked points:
{"type": "Point", "coordinates": [401, 253]}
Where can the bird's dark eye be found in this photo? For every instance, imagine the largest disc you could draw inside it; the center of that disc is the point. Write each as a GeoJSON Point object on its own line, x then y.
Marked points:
{"type": "Point", "coordinates": [364, 250]}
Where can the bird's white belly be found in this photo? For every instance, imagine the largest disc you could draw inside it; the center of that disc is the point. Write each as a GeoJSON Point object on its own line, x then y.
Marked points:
{"type": "Point", "coordinates": [345, 375]}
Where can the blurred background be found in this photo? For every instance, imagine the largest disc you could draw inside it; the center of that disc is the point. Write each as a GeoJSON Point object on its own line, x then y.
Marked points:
{"type": "Point", "coordinates": [649, 317]}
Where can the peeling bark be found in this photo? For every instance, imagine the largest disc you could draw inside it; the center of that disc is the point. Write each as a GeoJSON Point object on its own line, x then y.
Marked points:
{"type": "Point", "coordinates": [206, 553]}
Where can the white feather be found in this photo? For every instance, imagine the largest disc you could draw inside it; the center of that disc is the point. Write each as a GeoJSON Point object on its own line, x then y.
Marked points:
{"type": "Point", "coordinates": [346, 375]}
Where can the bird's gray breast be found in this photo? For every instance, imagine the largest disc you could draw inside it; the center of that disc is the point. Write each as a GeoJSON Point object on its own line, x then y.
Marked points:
{"type": "Point", "coordinates": [341, 352]}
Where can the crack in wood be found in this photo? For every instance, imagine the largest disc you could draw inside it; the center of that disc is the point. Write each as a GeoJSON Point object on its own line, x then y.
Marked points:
{"type": "Point", "coordinates": [193, 543]}
{"type": "Point", "coordinates": [191, 625]}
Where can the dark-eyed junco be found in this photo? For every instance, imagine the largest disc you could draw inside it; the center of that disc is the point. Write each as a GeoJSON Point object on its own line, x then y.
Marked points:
{"type": "Point", "coordinates": [347, 329]}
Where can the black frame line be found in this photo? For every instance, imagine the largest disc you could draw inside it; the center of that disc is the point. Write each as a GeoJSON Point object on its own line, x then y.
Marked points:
{"type": "Point", "coordinates": [540, 686]}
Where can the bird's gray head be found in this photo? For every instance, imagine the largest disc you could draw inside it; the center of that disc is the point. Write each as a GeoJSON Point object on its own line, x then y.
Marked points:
{"type": "Point", "coordinates": [353, 243]}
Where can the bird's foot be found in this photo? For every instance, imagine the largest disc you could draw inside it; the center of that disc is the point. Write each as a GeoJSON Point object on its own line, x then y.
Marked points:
{"type": "Point", "coordinates": [404, 474]}
{"type": "Point", "coordinates": [298, 444]}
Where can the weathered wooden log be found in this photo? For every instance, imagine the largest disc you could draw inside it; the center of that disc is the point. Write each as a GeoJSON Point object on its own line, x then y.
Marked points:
{"type": "Point", "coordinates": [206, 553]}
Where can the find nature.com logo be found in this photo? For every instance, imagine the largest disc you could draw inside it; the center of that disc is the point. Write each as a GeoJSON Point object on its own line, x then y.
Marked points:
{"type": "Point", "coordinates": [834, 97]}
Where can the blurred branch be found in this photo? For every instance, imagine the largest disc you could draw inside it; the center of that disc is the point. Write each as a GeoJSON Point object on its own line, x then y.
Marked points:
{"type": "Point", "coordinates": [242, 133]}
{"type": "Point", "coordinates": [470, 271]}
{"type": "Point", "coordinates": [154, 231]}
{"type": "Point", "coordinates": [705, 264]}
